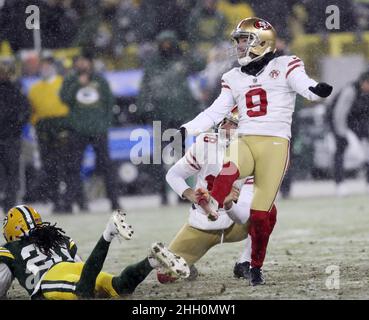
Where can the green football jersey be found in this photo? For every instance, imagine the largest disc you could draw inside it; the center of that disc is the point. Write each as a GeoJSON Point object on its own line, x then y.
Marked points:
{"type": "Point", "coordinates": [28, 264]}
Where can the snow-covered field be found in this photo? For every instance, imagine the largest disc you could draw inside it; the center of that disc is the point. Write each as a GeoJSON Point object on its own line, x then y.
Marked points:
{"type": "Point", "coordinates": [318, 250]}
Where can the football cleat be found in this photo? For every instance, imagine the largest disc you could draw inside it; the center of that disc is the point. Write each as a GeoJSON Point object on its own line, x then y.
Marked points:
{"type": "Point", "coordinates": [242, 270]}
{"type": "Point", "coordinates": [174, 265]}
{"type": "Point", "coordinates": [121, 227]}
{"type": "Point", "coordinates": [256, 277]}
{"type": "Point", "coordinates": [166, 278]}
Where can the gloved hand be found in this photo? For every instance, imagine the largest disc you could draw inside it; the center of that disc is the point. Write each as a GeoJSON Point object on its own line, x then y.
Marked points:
{"type": "Point", "coordinates": [202, 199]}
{"type": "Point", "coordinates": [322, 89]}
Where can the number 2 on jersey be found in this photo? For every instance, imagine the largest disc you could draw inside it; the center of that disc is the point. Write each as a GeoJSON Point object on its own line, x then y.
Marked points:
{"type": "Point", "coordinates": [262, 103]}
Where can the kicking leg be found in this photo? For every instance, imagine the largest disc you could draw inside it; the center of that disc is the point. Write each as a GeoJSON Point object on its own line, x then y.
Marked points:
{"type": "Point", "coordinates": [268, 178]}
{"type": "Point", "coordinates": [116, 226]}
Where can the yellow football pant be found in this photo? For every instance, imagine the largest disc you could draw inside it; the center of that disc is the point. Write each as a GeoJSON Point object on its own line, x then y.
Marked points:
{"type": "Point", "coordinates": [192, 244]}
{"type": "Point", "coordinates": [59, 283]}
{"type": "Point", "coordinates": [264, 157]}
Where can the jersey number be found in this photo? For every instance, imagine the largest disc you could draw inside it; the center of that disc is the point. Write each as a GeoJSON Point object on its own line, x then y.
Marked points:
{"type": "Point", "coordinates": [36, 262]}
{"type": "Point", "coordinates": [262, 103]}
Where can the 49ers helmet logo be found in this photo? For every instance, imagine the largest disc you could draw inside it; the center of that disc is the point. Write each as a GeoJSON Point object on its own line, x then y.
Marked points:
{"type": "Point", "coordinates": [262, 24]}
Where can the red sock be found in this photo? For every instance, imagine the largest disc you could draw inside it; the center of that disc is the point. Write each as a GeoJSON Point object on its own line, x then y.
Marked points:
{"type": "Point", "coordinates": [262, 225]}
{"type": "Point", "coordinates": [259, 232]}
{"type": "Point", "coordinates": [272, 218]}
{"type": "Point", "coordinates": [223, 182]}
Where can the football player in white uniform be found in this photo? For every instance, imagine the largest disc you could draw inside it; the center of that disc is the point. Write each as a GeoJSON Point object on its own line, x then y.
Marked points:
{"type": "Point", "coordinates": [204, 160]}
{"type": "Point", "coordinates": [264, 87]}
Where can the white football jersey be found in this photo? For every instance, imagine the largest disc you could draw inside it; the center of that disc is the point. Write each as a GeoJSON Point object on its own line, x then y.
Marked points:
{"type": "Point", "coordinates": [204, 159]}
{"type": "Point", "coordinates": [265, 102]}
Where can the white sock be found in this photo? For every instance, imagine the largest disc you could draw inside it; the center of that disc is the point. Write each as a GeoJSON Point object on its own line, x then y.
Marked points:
{"type": "Point", "coordinates": [246, 253]}
{"type": "Point", "coordinates": [153, 262]}
{"type": "Point", "coordinates": [108, 237]}
{"type": "Point", "coordinates": [109, 232]}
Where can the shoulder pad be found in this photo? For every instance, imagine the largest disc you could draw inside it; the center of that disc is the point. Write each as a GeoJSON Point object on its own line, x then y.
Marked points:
{"type": "Point", "coordinates": [226, 77]}
{"type": "Point", "coordinates": [4, 252]}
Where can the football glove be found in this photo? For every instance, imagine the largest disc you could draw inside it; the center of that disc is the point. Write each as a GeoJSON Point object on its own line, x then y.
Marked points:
{"type": "Point", "coordinates": [207, 203]}
{"type": "Point", "coordinates": [322, 89]}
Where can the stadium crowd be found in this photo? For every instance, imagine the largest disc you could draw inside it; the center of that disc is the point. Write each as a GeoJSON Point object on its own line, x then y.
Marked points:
{"type": "Point", "coordinates": [71, 105]}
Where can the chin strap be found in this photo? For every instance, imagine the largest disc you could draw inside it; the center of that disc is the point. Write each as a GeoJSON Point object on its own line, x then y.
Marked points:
{"type": "Point", "coordinates": [253, 68]}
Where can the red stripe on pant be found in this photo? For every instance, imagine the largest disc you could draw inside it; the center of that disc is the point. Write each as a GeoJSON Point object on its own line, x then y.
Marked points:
{"type": "Point", "coordinates": [261, 226]}
{"type": "Point", "coordinates": [223, 182]}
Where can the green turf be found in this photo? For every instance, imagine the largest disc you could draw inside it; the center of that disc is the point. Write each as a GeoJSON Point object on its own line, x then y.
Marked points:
{"type": "Point", "coordinates": [310, 235]}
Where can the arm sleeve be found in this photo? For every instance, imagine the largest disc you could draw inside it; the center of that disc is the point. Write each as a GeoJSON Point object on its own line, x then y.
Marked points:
{"type": "Point", "coordinates": [212, 115]}
{"type": "Point", "coordinates": [184, 168]}
{"type": "Point", "coordinates": [6, 279]}
{"type": "Point", "coordinates": [342, 109]}
{"type": "Point", "coordinates": [299, 81]}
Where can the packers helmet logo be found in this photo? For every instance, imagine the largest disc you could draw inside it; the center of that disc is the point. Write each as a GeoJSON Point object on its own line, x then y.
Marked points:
{"type": "Point", "coordinates": [262, 24]}
{"type": "Point", "coordinates": [19, 221]}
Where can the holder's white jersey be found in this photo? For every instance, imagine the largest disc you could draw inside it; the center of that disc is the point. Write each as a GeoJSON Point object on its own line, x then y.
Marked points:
{"type": "Point", "coordinates": [204, 159]}
{"type": "Point", "coordinates": [265, 102]}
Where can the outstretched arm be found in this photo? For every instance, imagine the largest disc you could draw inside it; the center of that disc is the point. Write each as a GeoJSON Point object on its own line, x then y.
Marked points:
{"type": "Point", "coordinates": [300, 82]}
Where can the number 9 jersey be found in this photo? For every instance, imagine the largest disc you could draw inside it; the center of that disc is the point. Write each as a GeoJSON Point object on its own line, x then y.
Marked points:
{"type": "Point", "coordinates": [265, 102]}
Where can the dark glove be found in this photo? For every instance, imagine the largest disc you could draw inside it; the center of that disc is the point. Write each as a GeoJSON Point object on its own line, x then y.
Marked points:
{"type": "Point", "coordinates": [322, 89]}
{"type": "Point", "coordinates": [180, 135]}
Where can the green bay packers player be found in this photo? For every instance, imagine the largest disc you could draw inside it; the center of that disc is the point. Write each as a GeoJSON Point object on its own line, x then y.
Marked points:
{"type": "Point", "coordinates": [264, 87]}
{"type": "Point", "coordinates": [204, 160]}
{"type": "Point", "coordinates": [46, 264]}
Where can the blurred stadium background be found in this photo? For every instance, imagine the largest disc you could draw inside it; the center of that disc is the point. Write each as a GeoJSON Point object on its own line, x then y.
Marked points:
{"type": "Point", "coordinates": [123, 37]}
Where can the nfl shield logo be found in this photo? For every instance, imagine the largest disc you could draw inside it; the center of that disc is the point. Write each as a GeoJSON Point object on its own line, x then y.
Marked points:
{"type": "Point", "coordinates": [274, 74]}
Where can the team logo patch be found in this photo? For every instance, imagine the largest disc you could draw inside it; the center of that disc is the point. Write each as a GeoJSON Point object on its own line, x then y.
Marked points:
{"type": "Point", "coordinates": [274, 74]}
{"type": "Point", "coordinates": [262, 24]}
